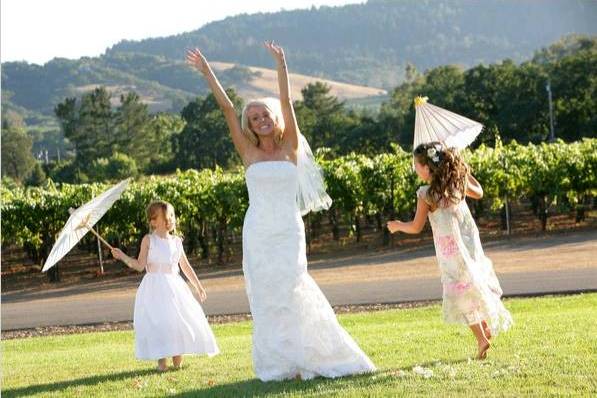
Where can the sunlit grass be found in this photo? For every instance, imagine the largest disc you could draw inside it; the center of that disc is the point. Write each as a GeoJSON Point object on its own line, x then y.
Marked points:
{"type": "Point", "coordinates": [550, 351]}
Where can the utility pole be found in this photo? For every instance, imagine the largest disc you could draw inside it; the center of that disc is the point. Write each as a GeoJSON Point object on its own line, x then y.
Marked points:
{"type": "Point", "coordinates": [552, 136]}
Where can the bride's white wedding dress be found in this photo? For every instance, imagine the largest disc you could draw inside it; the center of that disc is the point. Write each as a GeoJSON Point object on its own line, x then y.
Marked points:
{"type": "Point", "coordinates": [295, 331]}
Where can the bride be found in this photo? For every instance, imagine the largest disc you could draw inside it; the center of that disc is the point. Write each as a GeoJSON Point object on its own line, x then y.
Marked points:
{"type": "Point", "coordinates": [295, 331]}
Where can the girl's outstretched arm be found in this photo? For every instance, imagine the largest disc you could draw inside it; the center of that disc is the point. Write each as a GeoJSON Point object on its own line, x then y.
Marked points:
{"type": "Point", "coordinates": [416, 225]}
{"type": "Point", "coordinates": [242, 144]}
{"type": "Point", "coordinates": [291, 127]}
{"type": "Point", "coordinates": [473, 188]}
{"type": "Point", "coordinates": [139, 263]}
{"type": "Point", "coordinates": [189, 272]}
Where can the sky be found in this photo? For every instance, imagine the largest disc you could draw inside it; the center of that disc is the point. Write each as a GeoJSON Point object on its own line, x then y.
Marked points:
{"type": "Point", "coordinates": [38, 30]}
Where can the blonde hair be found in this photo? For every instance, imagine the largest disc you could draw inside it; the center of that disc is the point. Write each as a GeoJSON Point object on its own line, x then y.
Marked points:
{"type": "Point", "coordinates": [167, 211]}
{"type": "Point", "coordinates": [274, 108]}
{"type": "Point", "coordinates": [448, 173]}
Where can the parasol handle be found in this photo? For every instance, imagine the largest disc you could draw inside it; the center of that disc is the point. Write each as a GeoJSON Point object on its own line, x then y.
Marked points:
{"type": "Point", "coordinates": [99, 237]}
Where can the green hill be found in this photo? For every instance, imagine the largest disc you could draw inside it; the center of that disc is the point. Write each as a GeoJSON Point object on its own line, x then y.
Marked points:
{"type": "Point", "coordinates": [367, 46]}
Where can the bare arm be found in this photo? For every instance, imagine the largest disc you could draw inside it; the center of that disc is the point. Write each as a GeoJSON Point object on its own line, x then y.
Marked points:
{"type": "Point", "coordinates": [291, 127]}
{"type": "Point", "coordinates": [473, 188]}
{"type": "Point", "coordinates": [196, 59]}
{"type": "Point", "coordinates": [189, 272]}
{"type": "Point", "coordinates": [139, 263]}
{"type": "Point", "coordinates": [416, 225]}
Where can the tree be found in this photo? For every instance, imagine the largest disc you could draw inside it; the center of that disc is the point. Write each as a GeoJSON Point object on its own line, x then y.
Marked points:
{"type": "Point", "coordinates": [17, 160]}
{"type": "Point", "coordinates": [321, 117]}
{"type": "Point", "coordinates": [37, 176]}
{"type": "Point", "coordinates": [89, 126]}
{"type": "Point", "coordinates": [566, 46]}
{"type": "Point", "coordinates": [574, 87]}
{"type": "Point", "coordinates": [96, 126]}
{"type": "Point", "coordinates": [116, 167]}
{"type": "Point", "coordinates": [162, 133]}
{"type": "Point", "coordinates": [65, 171]}
{"type": "Point", "coordinates": [205, 140]}
{"type": "Point", "coordinates": [365, 135]}
{"type": "Point", "coordinates": [508, 98]}
{"type": "Point", "coordinates": [131, 125]}
{"type": "Point", "coordinates": [67, 114]}
{"type": "Point", "coordinates": [98, 132]}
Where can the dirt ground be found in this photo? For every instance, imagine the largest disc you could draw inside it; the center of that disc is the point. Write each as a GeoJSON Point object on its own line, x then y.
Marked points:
{"type": "Point", "coordinates": [551, 252]}
{"type": "Point", "coordinates": [563, 251]}
{"type": "Point", "coordinates": [80, 267]}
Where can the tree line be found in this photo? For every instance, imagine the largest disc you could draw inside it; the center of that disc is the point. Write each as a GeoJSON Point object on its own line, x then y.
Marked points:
{"type": "Point", "coordinates": [111, 139]}
{"type": "Point", "coordinates": [366, 191]}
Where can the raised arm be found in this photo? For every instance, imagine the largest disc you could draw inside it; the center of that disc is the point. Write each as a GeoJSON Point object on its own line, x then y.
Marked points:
{"type": "Point", "coordinates": [198, 61]}
{"type": "Point", "coordinates": [291, 127]}
{"type": "Point", "coordinates": [473, 188]}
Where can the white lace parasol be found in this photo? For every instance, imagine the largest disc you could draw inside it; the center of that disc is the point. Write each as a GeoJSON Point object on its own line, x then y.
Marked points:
{"type": "Point", "coordinates": [433, 123]}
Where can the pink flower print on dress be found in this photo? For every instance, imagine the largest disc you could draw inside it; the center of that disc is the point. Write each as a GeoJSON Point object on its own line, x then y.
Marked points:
{"type": "Point", "coordinates": [457, 288]}
{"type": "Point", "coordinates": [447, 245]}
{"type": "Point", "coordinates": [474, 306]}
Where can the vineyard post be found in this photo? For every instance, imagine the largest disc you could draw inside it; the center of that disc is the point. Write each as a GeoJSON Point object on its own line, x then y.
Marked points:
{"type": "Point", "coordinates": [387, 237]}
{"type": "Point", "coordinates": [508, 229]}
{"type": "Point", "coordinates": [99, 252]}
{"type": "Point", "coordinates": [506, 203]}
{"type": "Point", "coordinates": [552, 137]}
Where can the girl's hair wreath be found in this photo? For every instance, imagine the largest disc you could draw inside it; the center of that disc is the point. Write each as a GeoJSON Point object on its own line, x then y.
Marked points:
{"type": "Point", "coordinates": [434, 153]}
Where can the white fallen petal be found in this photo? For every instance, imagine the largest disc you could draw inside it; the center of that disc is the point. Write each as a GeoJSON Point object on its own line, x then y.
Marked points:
{"type": "Point", "coordinates": [421, 371]}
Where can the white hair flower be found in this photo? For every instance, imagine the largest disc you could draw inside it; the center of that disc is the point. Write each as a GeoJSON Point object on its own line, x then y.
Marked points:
{"type": "Point", "coordinates": [433, 154]}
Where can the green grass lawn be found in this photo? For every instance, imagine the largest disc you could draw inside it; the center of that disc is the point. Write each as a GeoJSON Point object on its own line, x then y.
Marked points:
{"type": "Point", "coordinates": [551, 351]}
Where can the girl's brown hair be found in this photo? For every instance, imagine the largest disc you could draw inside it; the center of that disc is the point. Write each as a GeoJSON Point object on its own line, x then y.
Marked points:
{"type": "Point", "coordinates": [448, 173]}
{"type": "Point", "coordinates": [167, 210]}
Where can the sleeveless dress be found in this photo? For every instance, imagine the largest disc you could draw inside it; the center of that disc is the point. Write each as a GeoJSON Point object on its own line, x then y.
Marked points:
{"type": "Point", "coordinates": [168, 320]}
{"type": "Point", "coordinates": [471, 291]}
{"type": "Point", "coordinates": [295, 330]}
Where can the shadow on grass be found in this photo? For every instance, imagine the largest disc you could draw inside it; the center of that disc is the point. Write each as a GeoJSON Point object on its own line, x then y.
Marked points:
{"type": "Point", "coordinates": [244, 388]}
{"type": "Point", "coordinates": [62, 385]}
{"type": "Point", "coordinates": [257, 388]}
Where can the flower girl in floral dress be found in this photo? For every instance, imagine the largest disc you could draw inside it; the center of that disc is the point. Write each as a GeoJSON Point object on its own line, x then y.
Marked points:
{"type": "Point", "coordinates": [471, 291]}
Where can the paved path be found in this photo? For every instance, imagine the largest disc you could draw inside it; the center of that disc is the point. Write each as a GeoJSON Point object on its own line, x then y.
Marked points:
{"type": "Point", "coordinates": [552, 264]}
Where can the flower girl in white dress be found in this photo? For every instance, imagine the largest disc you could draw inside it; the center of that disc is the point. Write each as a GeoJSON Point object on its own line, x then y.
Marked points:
{"type": "Point", "coordinates": [168, 320]}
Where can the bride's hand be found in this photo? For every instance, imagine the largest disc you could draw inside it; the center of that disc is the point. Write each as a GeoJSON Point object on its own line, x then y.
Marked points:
{"type": "Point", "coordinates": [276, 51]}
{"type": "Point", "coordinates": [197, 60]}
